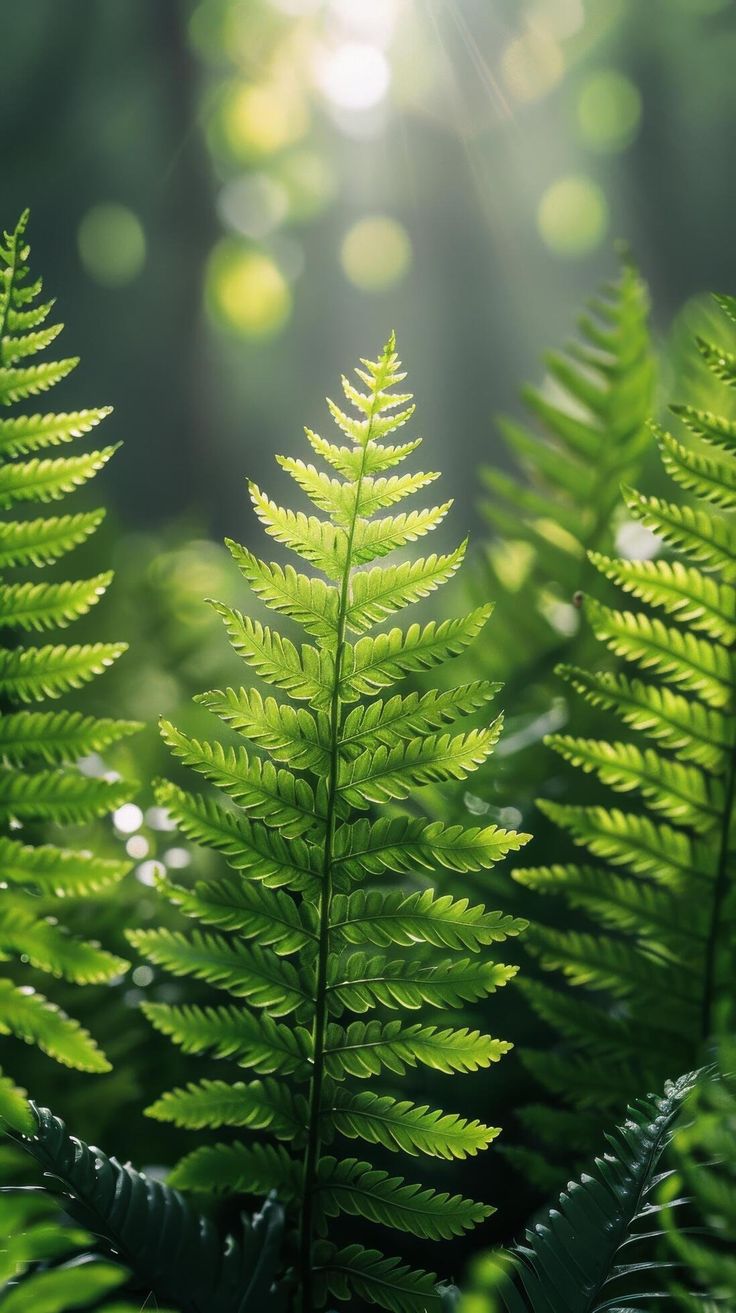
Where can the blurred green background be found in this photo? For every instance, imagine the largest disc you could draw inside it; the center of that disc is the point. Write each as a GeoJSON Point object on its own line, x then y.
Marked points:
{"type": "Point", "coordinates": [234, 199]}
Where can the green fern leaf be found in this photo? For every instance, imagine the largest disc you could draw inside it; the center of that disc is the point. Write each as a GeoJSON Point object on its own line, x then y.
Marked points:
{"type": "Point", "coordinates": [289, 734]}
{"type": "Point", "coordinates": [26, 433]}
{"type": "Point", "coordinates": [49, 606]}
{"type": "Point", "coordinates": [388, 1282]}
{"type": "Point", "coordinates": [49, 480]}
{"type": "Point", "coordinates": [681, 793]}
{"type": "Point", "coordinates": [311, 602]}
{"type": "Point", "coordinates": [404, 1127]}
{"type": "Point", "coordinates": [350, 1186]}
{"type": "Point", "coordinates": [419, 917]}
{"type": "Point", "coordinates": [693, 663]}
{"type": "Point", "coordinates": [256, 1042]}
{"type": "Point", "coordinates": [260, 1106]}
{"type": "Point", "coordinates": [376, 663]}
{"type": "Point", "coordinates": [398, 718]}
{"type": "Point", "coordinates": [39, 784]}
{"type": "Point", "coordinates": [253, 974]}
{"type": "Point", "coordinates": [366, 1048]}
{"type": "Point", "coordinates": [33, 1019]}
{"type": "Point", "coordinates": [255, 1168]}
{"type": "Point", "coordinates": [690, 730]}
{"type": "Point", "coordinates": [274, 796]}
{"type": "Point", "coordinates": [304, 673]}
{"type": "Point", "coordinates": [175, 1254]}
{"type": "Point", "coordinates": [268, 915]}
{"type": "Point", "coordinates": [248, 845]}
{"type": "Point", "coordinates": [30, 674]}
{"type": "Point", "coordinates": [39, 542]}
{"type": "Point", "coordinates": [655, 926]}
{"type": "Point", "coordinates": [58, 736]}
{"type": "Point", "coordinates": [586, 1239]}
{"type": "Point", "coordinates": [58, 871]}
{"type": "Point", "coordinates": [289, 934]}
{"type": "Point", "coordinates": [19, 384]}
{"type": "Point", "coordinates": [693, 597]}
{"type": "Point", "coordinates": [712, 480]}
{"type": "Point", "coordinates": [379, 592]}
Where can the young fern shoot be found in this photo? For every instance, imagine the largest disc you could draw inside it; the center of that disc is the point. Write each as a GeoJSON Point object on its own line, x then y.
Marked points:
{"type": "Point", "coordinates": [314, 882]}
{"type": "Point", "coordinates": [39, 780]}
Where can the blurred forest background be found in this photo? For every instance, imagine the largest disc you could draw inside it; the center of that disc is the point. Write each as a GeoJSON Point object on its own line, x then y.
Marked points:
{"type": "Point", "coordinates": [232, 200]}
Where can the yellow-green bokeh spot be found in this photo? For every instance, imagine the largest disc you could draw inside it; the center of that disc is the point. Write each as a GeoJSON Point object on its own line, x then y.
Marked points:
{"type": "Point", "coordinates": [376, 253]}
{"type": "Point", "coordinates": [112, 244]}
{"type": "Point", "coordinates": [246, 291]}
{"type": "Point", "coordinates": [608, 111]}
{"type": "Point", "coordinates": [573, 216]}
{"type": "Point", "coordinates": [255, 120]}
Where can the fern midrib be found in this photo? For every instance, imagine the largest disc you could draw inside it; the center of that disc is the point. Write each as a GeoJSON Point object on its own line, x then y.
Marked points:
{"type": "Point", "coordinates": [311, 1157]}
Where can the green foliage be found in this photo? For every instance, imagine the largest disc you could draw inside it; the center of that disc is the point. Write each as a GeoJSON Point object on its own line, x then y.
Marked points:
{"type": "Point", "coordinates": [46, 1264]}
{"type": "Point", "coordinates": [652, 910]}
{"type": "Point", "coordinates": [298, 929]}
{"type": "Point", "coordinates": [587, 433]}
{"type": "Point", "coordinates": [172, 1252]}
{"type": "Point", "coordinates": [39, 779]}
{"type": "Point", "coordinates": [598, 1248]}
{"type": "Point", "coordinates": [705, 1149]}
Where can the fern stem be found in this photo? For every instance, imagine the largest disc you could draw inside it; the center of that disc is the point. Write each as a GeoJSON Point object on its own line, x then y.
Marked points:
{"type": "Point", "coordinates": [312, 1151]}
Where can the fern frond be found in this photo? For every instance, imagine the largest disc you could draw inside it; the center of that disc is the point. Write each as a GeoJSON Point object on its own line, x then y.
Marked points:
{"type": "Point", "coordinates": [58, 736]}
{"type": "Point", "coordinates": [58, 871]}
{"type": "Point", "coordinates": [402, 1126]}
{"type": "Point", "coordinates": [398, 718]}
{"type": "Point", "coordinates": [265, 981]}
{"type": "Point", "coordinates": [175, 1254]}
{"type": "Point", "coordinates": [256, 1168]}
{"type": "Point", "coordinates": [419, 917]}
{"type": "Point", "coordinates": [39, 784]}
{"type": "Point", "coordinates": [30, 674]}
{"type": "Point", "coordinates": [678, 655]}
{"type": "Point", "coordinates": [49, 606]}
{"type": "Point", "coordinates": [578, 1259]}
{"type": "Point", "coordinates": [260, 1106]}
{"type": "Point", "coordinates": [654, 938]}
{"type": "Point", "coordinates": [350, 1186]}
{"type": "Point", "coordinates": [35, 1020]}
{"type": "Point", "coordinates": [277, 797]}
{"type": "Point", "coordinates": [383, 774]}
{"type": "Point", "coordinates": [248, 845]}
{"type": "Point", "coordinates": [26, 433]}
{"type": "Point", "coordinates": [256, 1042]}
{"type": "Point", "coordinates": [678, 792]}
{"type": "Point", "coordinates": [379, 592]}
{"type": "Point", "coordinates": [39, 542]}
{"type": "Point", "coordinates": [289, 734]}
{"type": "Point", "coordinates": [387, 1282]}
{"type": "Point", "coordinates": [288, 933]}
{"type": "Point", "coordinates": [401, 843]}
{"type": "Point", "coordinates": [364, 1049]}
{"type": "Point", "coordinates": [695, 598]}
{"type": "Point", "coordinates": [376, 663]}
{"type": "Point", "coordinates": [268, 915]}
{"type": "Point", "coordinates": [305, 672]}
{"type": "Point", "coordinates": [691, 731]}
{"type": "Point", "coordinates": [50, 479]}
